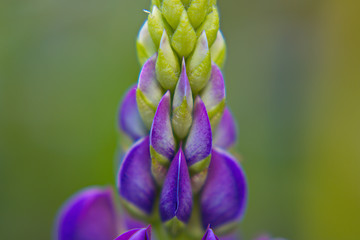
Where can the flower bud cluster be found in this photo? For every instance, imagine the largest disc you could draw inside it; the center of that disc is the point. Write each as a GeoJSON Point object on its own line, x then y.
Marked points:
{"type": "Point", "coordinates": [178, 167]}
{"type": "Point", "coordinates": [177, 174]}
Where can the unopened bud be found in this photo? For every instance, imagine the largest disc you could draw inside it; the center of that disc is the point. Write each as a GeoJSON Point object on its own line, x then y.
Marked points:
{"type": "Point", "coordinates": [148, 92]}
{"type": "Point", "coordinates": [182, 105]}
{"type": "Point", "coordinates": [167, 64]}
{"type": "Point", "coordinates": [144, 44]}
{"type": "Point", "coordinates": [184, 38]}
{"type": "Point", "coordinates": [199, 64]}
{"type": "Point", "coordinates": [156, 25]}
{"type": "Point", "coordinates": [210, 25]}
{"type": "Point", "coordinates": [197, 12]}
{"type": "Point", "coordinates": [172, 10]}
{"type": "Point", "coordinates": [218, 50]}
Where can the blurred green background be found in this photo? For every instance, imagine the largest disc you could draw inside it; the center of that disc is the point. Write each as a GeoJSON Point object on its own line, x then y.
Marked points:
{"type": "Point", "coordinates": [293, 83]}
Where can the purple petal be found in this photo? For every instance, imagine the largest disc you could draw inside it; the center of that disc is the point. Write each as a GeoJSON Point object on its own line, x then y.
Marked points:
{"type": "Point", "coordinates": [129, 117]}
{"type": "Point", "coordinates": [90, 214]}
{"type": "Point", "coordinates": [161, 137]}
{"type": "Point", "coordinates": [148, 92]}
{"type": "Point", "coordinates": [223, 199]}
{"type": "Point", "coordinates": [176, 195]}
{"type": "Point", "coordinates": [213, 94]}
{"type": "Point", "coordinates": [226, 133]}
{"type": "Point", "coordinates": [135, 182]}
{"type": "Point", "coordinates": [136, 234]}
{"type": "Point", "coordinates": [147, 81]}
{"type": "Point", "coordinates": [199, 141]}
{"type": "Point", "coordinates": [210, 235]}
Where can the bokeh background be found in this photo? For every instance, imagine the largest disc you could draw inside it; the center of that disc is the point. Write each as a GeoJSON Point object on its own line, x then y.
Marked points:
{"type": "Point", "coordinates": [293, 83]}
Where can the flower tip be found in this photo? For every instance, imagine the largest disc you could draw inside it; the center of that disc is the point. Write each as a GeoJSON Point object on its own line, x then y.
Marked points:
{"type": "Point", "coordinates": [209, 234]}
{"type": "Point", "coordinates": [136, 234]}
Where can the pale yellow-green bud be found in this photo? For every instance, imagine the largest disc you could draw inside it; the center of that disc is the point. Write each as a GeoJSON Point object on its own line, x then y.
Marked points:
{"type": "Point", "coordinates": [172, 10]}
{"type": "Point", "coordinates": [186, 2]}
{"type": "Point", "coordinates": [156, 25]}
{"type": "Point", "coordinates": [197, 12]}
{"type": "Point", "coordinates": [199, 65]}
{"type": "Point", "coordinates": [144, 44]}
{"type": "Point", "coordinates": [155, 3]}
{"type": "Point", "coordinates": [184, 38]}
{"type": "Point", "coordinates": [218, 50]}
{"type": "Point", "coordinates": [210, 25]}
{"type": "Point", "coordinates": [211, 4]}
{"type": "Point", "coordinates": [167, 64]}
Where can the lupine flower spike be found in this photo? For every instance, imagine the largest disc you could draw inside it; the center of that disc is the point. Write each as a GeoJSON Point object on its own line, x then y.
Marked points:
{"type": "Point", "coordinates": [176, 177]}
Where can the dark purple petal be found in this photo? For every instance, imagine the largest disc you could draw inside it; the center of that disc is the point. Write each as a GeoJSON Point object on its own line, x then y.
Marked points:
{"type": "Point", "coordinates": [90, 215]}
{"type": "Point", "coordinates": [210, 235]}
{"type": "Point", "coordinates": [223, 199]}
{"type": "Point", "coordinates": [135, 182]}
{"type": "Point", "coordinates": [136, 234]}
{"type": "Point", "coordinates": [226, 133]}
{"type": "Point", "coordinates": [161, 137]}
{"type": "Point", "coordinates": [198, 144]}
{"type": "Point", "coordinates": [213, 95]}
{"type": "Point", "coordinates": [176, 195]}
{"type": "Point", "coordinates": [129, 117]}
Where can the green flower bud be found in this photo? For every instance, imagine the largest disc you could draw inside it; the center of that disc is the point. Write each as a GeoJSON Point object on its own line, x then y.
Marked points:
{"type": "Point", "coordinates": [186, 2]}
{"type": "Point", "coordinates": [210, 26]}
{"type": "Point", "coordinates": [197, 12]}
{"type": "Point", "coordinates": [156, 25]}
{"type": "Point", "coordinates": [211, 4]}
{"type": "Point", "coordinates": [218, 50]}
{"type": "Point", "coordinates": [172, 10]}
{"type": "Point", "coordinates": [155, 3]}
{"type": "Point", "coordinates": [144, 44]}
{"type": "Point", "coordinates": [199, 65]}
{"type": "Point", "coordinates": [167, 64]}
{"type": "Point", "coordinates": [184, 38]}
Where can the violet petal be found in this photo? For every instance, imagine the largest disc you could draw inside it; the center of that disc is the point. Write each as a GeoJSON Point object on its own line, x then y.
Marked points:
{"type": "Point", "coordinates": [129, 117]}
{"type": "Point", "coordinates": [223, 198]}
{"type": "Point", "coordinates": [210, 235]}
{"type": "Point", "coordinates": [176, 195]}
{"type": "Point", "coordinates": [162, 140]}
{"type": "Point", "coordinates": [148, 92]}
{"type": "Point", "coordinates": [198, 144]}
{"type": "Point", "coordinates": [90, 214]}
{"type": "Point", "coordinates": [213, 95]}
{"type": "Point", "coordinates": [136, 234]}
{"type": "Point", "coordinates": [135, 182]}
{"type": "Point", "coordinates": [226, 133]}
